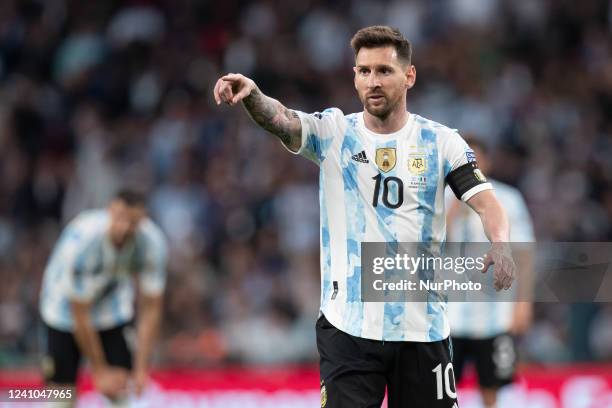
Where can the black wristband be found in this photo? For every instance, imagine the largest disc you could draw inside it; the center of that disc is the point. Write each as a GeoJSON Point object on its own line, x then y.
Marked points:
{"type": "Point", "coordinates": [464, 178]}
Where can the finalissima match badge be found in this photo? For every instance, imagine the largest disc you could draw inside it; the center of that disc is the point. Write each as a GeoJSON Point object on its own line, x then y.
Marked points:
{"type": "Point", "coordinates": [385, 158]}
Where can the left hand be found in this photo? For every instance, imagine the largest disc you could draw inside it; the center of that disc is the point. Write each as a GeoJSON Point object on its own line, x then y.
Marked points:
{"type": "Point", "coordinates": [141, 379]}
{"type": "Point", "coordinates": [500, 255]}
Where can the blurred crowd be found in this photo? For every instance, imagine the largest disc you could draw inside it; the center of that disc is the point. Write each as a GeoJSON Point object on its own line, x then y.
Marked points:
{"type": "Point", "coordinates": [103, 94]}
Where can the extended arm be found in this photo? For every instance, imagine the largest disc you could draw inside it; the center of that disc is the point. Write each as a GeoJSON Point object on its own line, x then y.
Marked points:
{"type": "Point", "coordinates": [110, 381]}
{"type": "Point", "coordinates": [86, 336]}
{"type": "Point", "coordinates": [267, 112]}
{"type": "Point", "coordinates": [497, 229]}
{"type": "Point", "coordinates": [493, 216]}
{"type": "Point", "coordinates": [149, 316]}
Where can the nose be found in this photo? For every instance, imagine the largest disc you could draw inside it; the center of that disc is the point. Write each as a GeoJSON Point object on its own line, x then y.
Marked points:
{"type": "Point", "coordinates": [125, 226]}
{"type": "Point", "coordinates": [373, 81]}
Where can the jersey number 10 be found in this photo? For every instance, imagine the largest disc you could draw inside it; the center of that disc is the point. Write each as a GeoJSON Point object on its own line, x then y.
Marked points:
{"type": "Point", "coordinates": [385, 191]}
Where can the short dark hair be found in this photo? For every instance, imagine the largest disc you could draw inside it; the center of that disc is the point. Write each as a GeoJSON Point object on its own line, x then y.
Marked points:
{"type": "Point", "coordinates": [382, 36]}
{"type": "Point", "coordinates": [131, 198]}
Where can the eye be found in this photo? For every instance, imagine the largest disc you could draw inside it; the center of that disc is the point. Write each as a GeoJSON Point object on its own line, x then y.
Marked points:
{"type": "Point", "coordinates": [363, 71]}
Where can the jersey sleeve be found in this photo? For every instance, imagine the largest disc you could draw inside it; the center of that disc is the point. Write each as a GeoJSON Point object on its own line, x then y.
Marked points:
{"type": "Point", "coordinates": [318, 132]}
{"type": "Point", "coordinates": [81, 256]}
{"type": "Point", "coordinates": [461, 170]}
{"type": "Point", "coordinates": [152, 277]}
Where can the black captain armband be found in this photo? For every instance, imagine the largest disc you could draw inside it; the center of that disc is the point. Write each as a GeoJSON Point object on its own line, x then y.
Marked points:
{"type": "Point", "coordinates": [464, 178]}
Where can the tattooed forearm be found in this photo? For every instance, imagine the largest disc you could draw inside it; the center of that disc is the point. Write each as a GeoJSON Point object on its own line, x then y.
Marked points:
{"type": "Point", "coordinates": [271, 115]}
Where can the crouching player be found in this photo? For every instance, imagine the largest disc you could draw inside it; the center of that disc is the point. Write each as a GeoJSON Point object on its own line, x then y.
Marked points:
{"type": "Point", "coordinates": [87, 297]}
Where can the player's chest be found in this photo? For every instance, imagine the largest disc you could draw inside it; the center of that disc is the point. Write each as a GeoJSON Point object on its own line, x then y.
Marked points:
{"type": "Point", "coordinates": [394, 172]}
{"type": "Point", "coordinates": [119, 263]}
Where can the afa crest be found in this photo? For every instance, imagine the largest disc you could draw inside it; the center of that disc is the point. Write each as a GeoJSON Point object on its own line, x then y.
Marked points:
{"type": "Point", "coordinates": [417, 164]}
{"type": "Point", "coordinates": [385, 158]}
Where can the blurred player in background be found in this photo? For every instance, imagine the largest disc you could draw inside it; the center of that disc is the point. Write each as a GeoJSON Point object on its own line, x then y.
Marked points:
{"type": "Point", "coordinates": [382, 178]}
{"type": "Point", "coordinates": [483, 332]}
{"type": "Point", "coordinates": [87, 297]}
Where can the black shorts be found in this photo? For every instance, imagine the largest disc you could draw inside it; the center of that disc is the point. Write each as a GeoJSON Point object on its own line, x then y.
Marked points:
{"type": "Point", "coordinates": [62, 356]}
{"type": "Point", "coordinates": [355, 372]}
{"type": "Point", "coordinates": [494, 358]}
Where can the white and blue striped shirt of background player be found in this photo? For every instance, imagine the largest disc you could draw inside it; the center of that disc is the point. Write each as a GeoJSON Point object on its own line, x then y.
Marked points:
{"type": "Point", "coordinates": [360, 201]}
{"type": "Point", "coordinates": [85, 266]}
{"type": "Point", "coordinates": [482, 320]}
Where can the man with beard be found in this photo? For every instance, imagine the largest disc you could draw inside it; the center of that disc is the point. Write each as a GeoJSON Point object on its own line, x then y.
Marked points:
{"type": "Point", "coordinates": [382, 178]}
{"type": "Point", "coordinates": [87, 298]}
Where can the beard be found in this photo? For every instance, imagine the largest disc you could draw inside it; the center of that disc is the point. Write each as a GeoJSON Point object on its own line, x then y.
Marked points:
{"type": "Point", "coordinates": [120, 240]}
{"type": "Point", "coordinates": [381, 108]}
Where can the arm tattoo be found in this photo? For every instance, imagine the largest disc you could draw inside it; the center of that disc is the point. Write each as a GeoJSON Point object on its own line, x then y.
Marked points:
{"type": "Point", "coordinates": [271, 115]}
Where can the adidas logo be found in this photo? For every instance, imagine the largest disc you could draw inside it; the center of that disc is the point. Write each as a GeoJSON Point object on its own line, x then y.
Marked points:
{"type": "Point", "coordinates": [360, 157]}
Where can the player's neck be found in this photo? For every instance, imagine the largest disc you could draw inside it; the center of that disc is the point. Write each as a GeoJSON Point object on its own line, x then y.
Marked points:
{"type": "Point", "coordinates": [391, 123]}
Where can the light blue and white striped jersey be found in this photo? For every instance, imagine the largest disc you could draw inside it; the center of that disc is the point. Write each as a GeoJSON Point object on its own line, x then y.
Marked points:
{"type": "Point", "coordinates": [86, 266]}
{"type": "Point", "coordinates": [487, 319]}
{"type": "Point", "coordinates": [379, 188]}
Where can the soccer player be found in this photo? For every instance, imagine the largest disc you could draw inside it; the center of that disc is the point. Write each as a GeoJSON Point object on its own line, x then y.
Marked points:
{"type": "Point", "coordinates": [87, 296]}
{"type": "Point", "coordinates": [382, 178]}
{"type": "Point", "coordinates": [483, 332]}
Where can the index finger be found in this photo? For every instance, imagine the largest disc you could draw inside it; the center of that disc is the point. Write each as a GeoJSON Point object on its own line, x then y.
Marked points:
{"type": "Point", "coordinates": [231, 77]}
